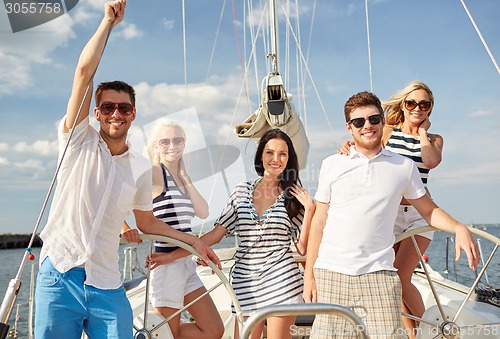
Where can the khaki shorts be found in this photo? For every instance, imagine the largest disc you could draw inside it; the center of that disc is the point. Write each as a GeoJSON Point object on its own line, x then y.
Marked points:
{"type": "Point", "coordinates": [379, 293]}
{"type": "Point", "coordinates": [171, 282]}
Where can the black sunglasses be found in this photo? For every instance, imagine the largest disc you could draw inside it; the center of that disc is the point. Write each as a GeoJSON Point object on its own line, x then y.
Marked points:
{"type": "Point", "coordinates": [424, 105]}
{"type": "Point", "coordinates": [360, 122]}
{"type": "Point", "coordinates": [166, 141]}
{"type": "Point", "coordinates": [109, 107]}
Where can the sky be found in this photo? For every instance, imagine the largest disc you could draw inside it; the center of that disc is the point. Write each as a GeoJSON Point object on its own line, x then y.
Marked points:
{"type": "Point", "coordinates": [197, 79]}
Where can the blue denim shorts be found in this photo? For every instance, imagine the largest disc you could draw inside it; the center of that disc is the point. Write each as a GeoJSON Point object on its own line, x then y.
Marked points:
{"type": "Point", "coordinates": [66, 307]}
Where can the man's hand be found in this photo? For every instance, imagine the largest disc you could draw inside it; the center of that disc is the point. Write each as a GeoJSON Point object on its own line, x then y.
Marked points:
{"type": "Point", "coordinates": [465, 241]}
{"type": "Point", "coordinates": [114, 11]}
{"type": "Point", "coordinates": [310, 292]}
{"type": "Point", "coordinates": [131, 235]}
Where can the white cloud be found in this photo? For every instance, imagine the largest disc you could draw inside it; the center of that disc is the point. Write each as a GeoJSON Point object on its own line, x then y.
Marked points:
{"type": "Point", "coordinates": [14, 73]}
{"type": "Point", "coordinates": [481, 113]}
{"type": "Point", "coordinates": [39, 147]}
{"type": "Point", "coordinates": [129, 31]}
{"type": "Point", "coordinates": [4, 147]}
{"type": "Point", "coordinates": [29, 164]}
{"type": "Point", "coordinates": [3, 161]}
{"type": "Point", "coordinates": [216, 102]}
{"type": "Point", "coordinates": [84, 14]}
{"type": "Point", "coordinates": [19, 50]}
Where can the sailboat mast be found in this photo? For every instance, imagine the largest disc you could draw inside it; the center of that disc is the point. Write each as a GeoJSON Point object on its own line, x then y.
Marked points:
{"type": "Point", "coordinates": [274, 35]}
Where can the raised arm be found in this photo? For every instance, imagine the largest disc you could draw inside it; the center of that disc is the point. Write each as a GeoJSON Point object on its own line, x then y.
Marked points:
{"type": "Point", "coordinates": [431, 145]}
{"type": "Point", "coordinates": [88, 62]}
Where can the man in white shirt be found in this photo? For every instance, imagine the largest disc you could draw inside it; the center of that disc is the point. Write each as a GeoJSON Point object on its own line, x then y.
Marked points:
{"type": "Point", "coordinates": [100, 182]}
{"type": "Point", "coordinates": [349, 255]}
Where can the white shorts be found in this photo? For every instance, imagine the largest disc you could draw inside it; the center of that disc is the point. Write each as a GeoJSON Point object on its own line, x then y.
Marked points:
{"type": "Point", "coordinates": [408, 219]}
{"type": "Point", "coordinates": [171, 282]}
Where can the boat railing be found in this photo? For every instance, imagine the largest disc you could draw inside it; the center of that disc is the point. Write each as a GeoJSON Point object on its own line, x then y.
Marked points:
{"type": "Point", "coordinates": [304, 309]}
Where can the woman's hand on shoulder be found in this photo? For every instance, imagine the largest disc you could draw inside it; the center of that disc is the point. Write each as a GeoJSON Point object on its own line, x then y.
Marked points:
{"type": "Point", "coordinates": [345, 149]}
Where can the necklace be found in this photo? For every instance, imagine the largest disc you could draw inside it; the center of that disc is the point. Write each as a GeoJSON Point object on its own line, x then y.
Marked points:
{"type": "Point", "coordinates": [262, 220]}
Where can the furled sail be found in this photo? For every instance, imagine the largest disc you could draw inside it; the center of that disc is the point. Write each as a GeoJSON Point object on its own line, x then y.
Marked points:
{"type": "Point", "coordinates": [276, 111]}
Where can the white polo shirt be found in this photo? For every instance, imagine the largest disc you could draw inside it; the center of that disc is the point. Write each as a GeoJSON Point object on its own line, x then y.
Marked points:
{"type": "Point", "coordinates": [364, 195]}
{"type": "Point", "coordinates": [95, 192]}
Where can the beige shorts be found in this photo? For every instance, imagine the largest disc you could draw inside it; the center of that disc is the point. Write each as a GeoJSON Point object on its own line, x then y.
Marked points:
{"type": "Point", "coordinates": [408, 219]}
{"type": "Point", "coordinates": [171, 282]}
{"type": "Point", "coordinates": [375, 298]}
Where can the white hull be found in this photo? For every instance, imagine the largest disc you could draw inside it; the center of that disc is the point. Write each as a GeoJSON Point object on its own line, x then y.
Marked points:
{"type": "Point", "coordinates": [450, 294]}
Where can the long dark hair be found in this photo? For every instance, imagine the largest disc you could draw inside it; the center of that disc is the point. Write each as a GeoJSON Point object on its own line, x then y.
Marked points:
{"type": "Point", "coordinates": [290, 174]}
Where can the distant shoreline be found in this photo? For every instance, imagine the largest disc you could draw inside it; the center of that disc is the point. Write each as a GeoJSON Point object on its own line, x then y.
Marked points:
{"type": "Point", "coordinates": [11, 240]}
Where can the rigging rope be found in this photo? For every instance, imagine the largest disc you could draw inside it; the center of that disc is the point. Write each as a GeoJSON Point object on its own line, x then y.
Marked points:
{"type": "Point", "coordinates": [369, 46]}
{"type": "Point", "coordinates": [481, 37]}
{"type": "Point", "coordinates": [185, 49]}
{"type": "Point", "coordinates": [308, 71]}
{"type": "Point", "coordinates": [215, 40]}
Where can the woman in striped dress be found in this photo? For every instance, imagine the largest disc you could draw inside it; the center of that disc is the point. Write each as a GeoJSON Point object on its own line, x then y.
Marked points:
{"type": "Point", "coordinates": [268, 213]}
{"type": "Point", "coordinates": [176, 201]}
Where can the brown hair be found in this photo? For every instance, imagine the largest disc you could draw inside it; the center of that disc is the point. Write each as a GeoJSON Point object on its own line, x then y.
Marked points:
{"type": "Point", "coordinates": [116, 85]}
{"type": "Point", "coordinates": [289, 176]}
{"type": "Point", "coordinates": [359, 100]}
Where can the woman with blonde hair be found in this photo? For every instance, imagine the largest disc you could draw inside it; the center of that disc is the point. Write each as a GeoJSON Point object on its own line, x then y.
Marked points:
{"type": "Point", "coordinates": [176, 201]}
{"type": "Point", "coordinates": [406, 133]}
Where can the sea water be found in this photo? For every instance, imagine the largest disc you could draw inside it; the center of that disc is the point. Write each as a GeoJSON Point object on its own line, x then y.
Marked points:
{"type": "Point", "coordinates": [10, 260]}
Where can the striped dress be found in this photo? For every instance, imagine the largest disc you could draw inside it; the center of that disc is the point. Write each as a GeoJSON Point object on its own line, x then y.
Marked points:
{"type": "Point", "coordinates": [173, 207]}
{"type": "Point", "coordinates": [408, 146]}
{"type": "Point", "coordinates": [265, 272]}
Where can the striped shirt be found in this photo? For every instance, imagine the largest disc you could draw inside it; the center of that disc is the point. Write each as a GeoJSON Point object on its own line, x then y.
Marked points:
{"type": "Point", "coordinates": [173, 207]}
{"type": "Point", "coordinates": [409, 146]}
{"type": "Point", "coordinates": [265, 272]}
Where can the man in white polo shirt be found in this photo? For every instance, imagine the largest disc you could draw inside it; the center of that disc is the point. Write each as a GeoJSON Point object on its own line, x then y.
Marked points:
{"type": "Point", "coordinates": [100, 182]}
{"type": "Point", "coordinates": [349, 255]}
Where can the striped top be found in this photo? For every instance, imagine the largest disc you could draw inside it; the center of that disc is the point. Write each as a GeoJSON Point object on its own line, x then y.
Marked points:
{"type": "Point", "coordinates": [409, 146]}
{"type": "Point", "coordinates": [173, 207]}
{"type": "Point", "coordinates": [265, 272]}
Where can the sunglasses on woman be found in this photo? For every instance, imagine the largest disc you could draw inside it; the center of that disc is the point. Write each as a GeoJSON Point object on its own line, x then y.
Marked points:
{"type": "Point", "coordinates": [424, 105]}
{"type": "Point", "coordinates": [166, 141]}
{"type": "Point", "coordinates": [360, 122]}
{"type": "Point", "coordinates": [109, 107]}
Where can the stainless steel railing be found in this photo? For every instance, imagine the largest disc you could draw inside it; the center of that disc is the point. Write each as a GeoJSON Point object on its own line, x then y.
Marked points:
{"type": "Point", "coordinates": [304, 309]}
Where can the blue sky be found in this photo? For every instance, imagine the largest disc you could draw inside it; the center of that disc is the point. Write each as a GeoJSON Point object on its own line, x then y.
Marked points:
{"type": "Point", "coordinates": [429, 40]}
